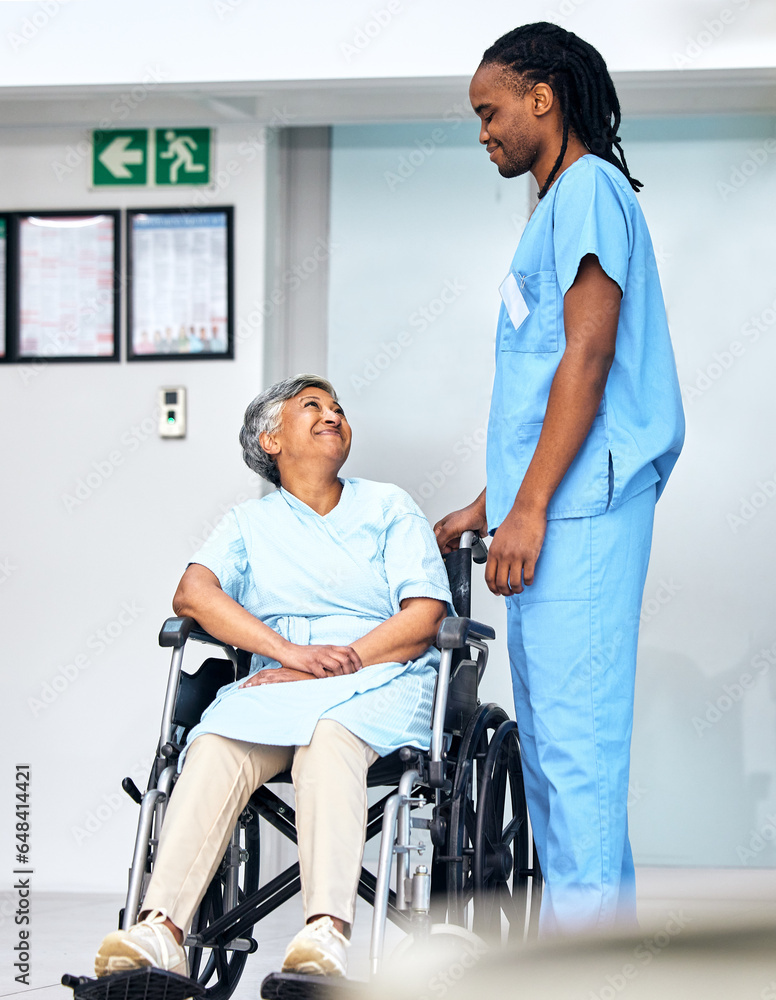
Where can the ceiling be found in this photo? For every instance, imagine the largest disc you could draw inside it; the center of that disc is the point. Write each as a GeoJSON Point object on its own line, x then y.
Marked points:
{"type": "Point", "coordinates": [642, 94]}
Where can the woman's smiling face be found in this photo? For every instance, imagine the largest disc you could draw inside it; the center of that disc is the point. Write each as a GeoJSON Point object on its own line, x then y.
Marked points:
{"type": "Point", "coordinates": [313, 426]}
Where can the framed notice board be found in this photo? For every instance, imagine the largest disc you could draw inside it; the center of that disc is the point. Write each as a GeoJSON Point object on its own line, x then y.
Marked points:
{"type": "Point", "coordinates": [179, 269]}
{"type": "Point", "coordinates": [3, 284]}
{"type": "Point", "coordinates": [63, 282]}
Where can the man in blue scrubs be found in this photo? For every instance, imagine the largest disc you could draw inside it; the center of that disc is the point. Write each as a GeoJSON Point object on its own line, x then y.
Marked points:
{"type": "Point", "coordinates": [585, 426]}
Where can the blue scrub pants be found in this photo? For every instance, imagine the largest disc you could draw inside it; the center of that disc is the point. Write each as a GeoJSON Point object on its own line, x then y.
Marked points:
{"type": "Point", "coordinates": [572, 639]}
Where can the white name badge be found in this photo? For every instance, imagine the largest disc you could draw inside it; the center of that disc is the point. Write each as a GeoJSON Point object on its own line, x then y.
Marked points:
{"type": "Point", "coordinates": [513, 299]}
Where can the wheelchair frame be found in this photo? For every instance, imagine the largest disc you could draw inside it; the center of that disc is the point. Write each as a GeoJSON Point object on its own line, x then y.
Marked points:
{"type": "Point", "coordinates": [474, 854]}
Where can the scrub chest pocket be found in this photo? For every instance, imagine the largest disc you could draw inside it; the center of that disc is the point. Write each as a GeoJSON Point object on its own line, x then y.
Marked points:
{"type": "Point", "coordinates": [538, 333]}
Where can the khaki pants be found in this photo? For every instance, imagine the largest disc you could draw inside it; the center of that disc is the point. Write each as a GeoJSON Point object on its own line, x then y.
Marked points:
{"type": "Point", "coordinates": [218, 778]}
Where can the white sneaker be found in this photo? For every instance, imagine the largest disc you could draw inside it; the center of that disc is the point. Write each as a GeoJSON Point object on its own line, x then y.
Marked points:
{"type": "Point", "coordinates": [318, 949]}
{"type": "Point", "coordinates": [149, 943]}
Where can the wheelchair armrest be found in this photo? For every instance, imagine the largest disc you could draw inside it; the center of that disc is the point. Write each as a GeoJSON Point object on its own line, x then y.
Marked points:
{"type": "Point", "coordinates": [455, 633]}
{"type": "Point", "coordinates": [176, 631]}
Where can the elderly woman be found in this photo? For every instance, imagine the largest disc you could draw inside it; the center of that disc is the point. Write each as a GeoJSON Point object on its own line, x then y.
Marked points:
{"type": "Point", "coordinates": [334, 583]}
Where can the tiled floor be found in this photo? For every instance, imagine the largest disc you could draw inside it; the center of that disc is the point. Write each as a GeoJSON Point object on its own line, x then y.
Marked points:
{"type": "Point", "coordinates": [66, 928]}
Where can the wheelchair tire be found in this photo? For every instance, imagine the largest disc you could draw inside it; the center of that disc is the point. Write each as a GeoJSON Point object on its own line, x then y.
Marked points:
{"type": "Point", "coordinates": [491, 868]}
{"type": "Point", "coordinates": [215, 968]}
{"type": "Point", "coordinates": [504, 880]}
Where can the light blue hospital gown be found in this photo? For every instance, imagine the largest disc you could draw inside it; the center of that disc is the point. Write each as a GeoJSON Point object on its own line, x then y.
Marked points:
{"type": "Point", "coordinates": [328, 579]}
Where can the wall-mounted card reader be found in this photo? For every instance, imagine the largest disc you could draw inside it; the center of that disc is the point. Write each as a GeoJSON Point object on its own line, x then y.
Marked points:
{"type": "Point", "coordinates": [172, 412]}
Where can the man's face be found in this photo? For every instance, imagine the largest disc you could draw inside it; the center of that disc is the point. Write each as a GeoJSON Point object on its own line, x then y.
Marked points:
{"type": "Point", "coordinates": [509, 124]}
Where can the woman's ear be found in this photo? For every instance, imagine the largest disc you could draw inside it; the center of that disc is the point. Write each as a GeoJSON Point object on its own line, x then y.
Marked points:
{"type": "Point", "coordinates": [269, 443]}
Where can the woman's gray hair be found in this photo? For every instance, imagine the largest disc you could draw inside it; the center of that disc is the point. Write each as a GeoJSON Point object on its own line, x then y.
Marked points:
{"type": "Point", "coordinates": [263, 417]}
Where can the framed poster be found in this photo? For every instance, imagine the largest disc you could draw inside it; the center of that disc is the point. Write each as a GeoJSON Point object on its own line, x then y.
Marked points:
{"type": "Point", "coordinates": [179, 264]}
{"type": "Point", "coordinates": [3, 284]}
{"type": "Point", "coordinates": [65, 281]}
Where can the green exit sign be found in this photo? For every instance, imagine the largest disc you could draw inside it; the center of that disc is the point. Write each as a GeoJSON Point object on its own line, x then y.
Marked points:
{"type": "Point", "coordinates": [120, 157]}
{"type": "Point", "coordinates": [182, 156]}
{"type": "Point", "coordinates": [162, 157]}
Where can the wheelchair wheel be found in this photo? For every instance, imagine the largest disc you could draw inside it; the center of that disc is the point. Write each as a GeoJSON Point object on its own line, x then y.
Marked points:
{"type": "Point", "coordinates": [492, 872]}
{"type": "Point", "coordinates": [215, 967]}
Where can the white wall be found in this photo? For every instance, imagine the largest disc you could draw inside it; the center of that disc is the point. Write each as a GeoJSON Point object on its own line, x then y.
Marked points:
{"type": "Point", "coordinates": [73, 571]}
{"type": "Point", "coordinates": [705, 753]}
{"type": "Point", "coordinates": [75, 42]}
{"type": "Point", "coordinates": [414, 207]}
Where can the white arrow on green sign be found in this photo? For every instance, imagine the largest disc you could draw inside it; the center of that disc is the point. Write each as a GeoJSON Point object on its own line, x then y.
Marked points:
{"type": "Point", "coordinates": [156, 157]}
{"type": "Point", "coordinates": [120, 156]}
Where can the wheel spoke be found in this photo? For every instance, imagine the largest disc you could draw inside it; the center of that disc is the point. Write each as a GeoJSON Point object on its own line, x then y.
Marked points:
{"type": "Point", "coordinates": [509, 903]}
{"type": "Point", "coordinates": [470, 821]}
{"type": "Point", "coordinates": [487, 872]}
{"type": "Point", "coordinates": [512, 829]}
{"type": "Point", "coordinates": [491, 842]}
{"type": "Point", "coordinates": [489, 829]}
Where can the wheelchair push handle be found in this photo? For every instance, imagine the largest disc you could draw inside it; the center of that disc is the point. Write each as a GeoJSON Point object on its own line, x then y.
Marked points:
{"type": "Point", "coordinates": [471, 540]}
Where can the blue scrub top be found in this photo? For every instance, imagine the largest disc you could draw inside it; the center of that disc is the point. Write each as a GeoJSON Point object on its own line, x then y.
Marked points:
{"type": "Point", "coordinates": [591, 208]}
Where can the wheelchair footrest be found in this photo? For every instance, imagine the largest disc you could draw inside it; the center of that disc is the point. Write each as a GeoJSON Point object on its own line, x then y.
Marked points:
{"type": "Point", "coordinates": [135, 984]}
{"type": "Point", "coordinates": [296, 986]}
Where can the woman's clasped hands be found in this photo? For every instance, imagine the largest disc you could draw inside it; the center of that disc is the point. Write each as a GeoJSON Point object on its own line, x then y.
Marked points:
{"type": "Point", "coordinates": [299, 663]}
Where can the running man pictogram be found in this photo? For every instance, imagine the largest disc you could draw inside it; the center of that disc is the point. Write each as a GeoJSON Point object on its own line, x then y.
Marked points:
{"type": "Point", "coordinates": [179, 150]}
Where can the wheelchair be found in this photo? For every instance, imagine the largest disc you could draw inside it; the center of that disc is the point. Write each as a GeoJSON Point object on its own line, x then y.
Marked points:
{"type": "Point", "coordinates": [482, 877]}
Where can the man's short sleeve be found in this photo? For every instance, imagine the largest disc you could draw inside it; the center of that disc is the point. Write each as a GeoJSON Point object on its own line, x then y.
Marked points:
{"type": "Point", "coordinates": [590, 215]}
{"type": "Point", "coordinates": [413, 565]}
{"type": "Point", "coordinates": [224, 554]}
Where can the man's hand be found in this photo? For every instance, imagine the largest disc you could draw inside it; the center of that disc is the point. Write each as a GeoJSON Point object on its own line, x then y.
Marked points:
{"type": "Point", "coordinates": [320, 661]}
{"type": "Point", "coordinates": [448, 531]}
{"type": "Point", "coordinates": [277, 675]}
{"type": "Point", "coordinates": [514, 551]}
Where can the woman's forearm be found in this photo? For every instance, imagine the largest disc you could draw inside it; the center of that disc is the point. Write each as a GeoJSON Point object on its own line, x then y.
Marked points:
{"type": "Point", "coordinates": [404, 636]}
{"type": "Point", "coordinates": [199, 596]}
